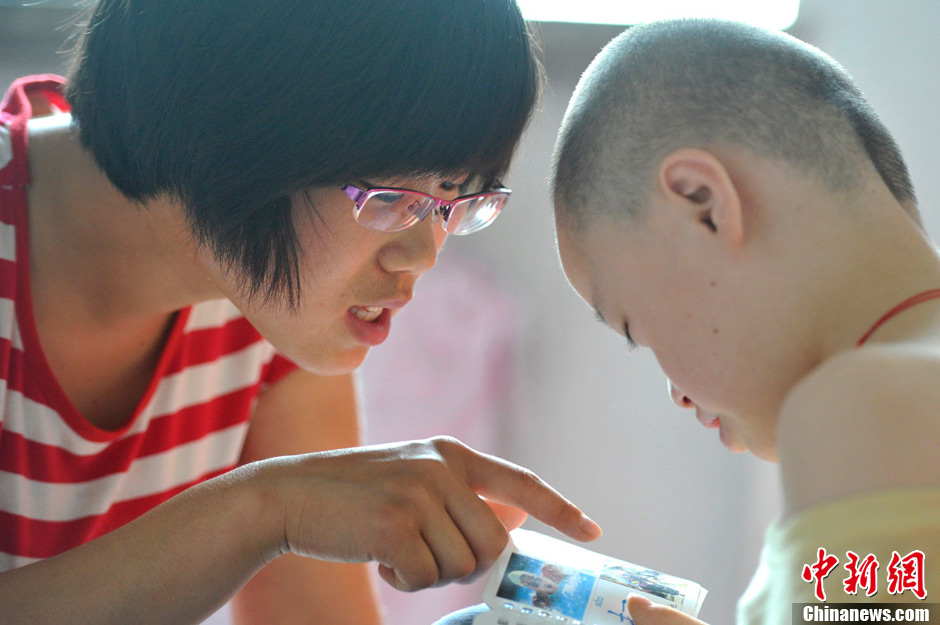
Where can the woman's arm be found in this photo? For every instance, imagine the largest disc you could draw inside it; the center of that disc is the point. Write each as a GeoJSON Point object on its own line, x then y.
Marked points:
{"type": "Point", "coordinates": [413, 507]}
{"type": "Point", "coordinates": [175, 564]}
{"type": "Point", "coordinates": [304, 413]}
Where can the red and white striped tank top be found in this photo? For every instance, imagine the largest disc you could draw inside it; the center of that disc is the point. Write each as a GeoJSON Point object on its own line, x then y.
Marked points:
{"type": "Point", "coordinates": [64, 481]}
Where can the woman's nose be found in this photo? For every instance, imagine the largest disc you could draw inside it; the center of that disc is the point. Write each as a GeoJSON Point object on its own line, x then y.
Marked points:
{"type": "Point", "coordinates": [680, 398]}
{"type": "Point", "coordinates": [414, 250]}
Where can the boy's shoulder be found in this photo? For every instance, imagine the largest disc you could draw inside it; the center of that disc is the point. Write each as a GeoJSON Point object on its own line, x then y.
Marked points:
{"type": "Point", "coordinates": [878, 372]}
{"type": "Point", "coordinates": [866, 419]}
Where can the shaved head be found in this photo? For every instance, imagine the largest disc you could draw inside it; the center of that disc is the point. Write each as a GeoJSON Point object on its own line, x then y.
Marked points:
{"type": "Point", "coordinates": [700, 83]}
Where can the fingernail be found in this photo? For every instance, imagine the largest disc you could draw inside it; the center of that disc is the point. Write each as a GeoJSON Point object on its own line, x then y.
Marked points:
{"type": "Point", "coordinates": [589, 526]}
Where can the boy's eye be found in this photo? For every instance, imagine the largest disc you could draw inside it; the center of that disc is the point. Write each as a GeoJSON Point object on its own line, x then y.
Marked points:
{"type": "Point", "coordinates": [626, 333]}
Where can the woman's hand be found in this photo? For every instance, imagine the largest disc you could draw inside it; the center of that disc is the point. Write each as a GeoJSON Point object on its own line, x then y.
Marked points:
{"type": "Point", "coordinates": [414, 507]}
{"type": "Point", "coordinates": [645, 612]}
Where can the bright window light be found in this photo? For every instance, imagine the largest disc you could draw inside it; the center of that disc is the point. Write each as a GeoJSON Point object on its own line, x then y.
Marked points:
{"type": "Point", "coordinates": [772, 14]}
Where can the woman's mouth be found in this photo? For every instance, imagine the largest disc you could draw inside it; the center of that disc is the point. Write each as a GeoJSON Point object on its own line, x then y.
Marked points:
{"type": "Point", "coordinates": [366, 313]}
{"type": "Point", "coordinates": [369, 324]}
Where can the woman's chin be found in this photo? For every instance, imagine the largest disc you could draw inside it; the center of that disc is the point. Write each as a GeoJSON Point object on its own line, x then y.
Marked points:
{"type": "Point", "coordinates": [338, 363]}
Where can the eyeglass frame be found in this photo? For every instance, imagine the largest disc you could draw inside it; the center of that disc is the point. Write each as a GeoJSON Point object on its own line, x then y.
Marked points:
{"type": "Point", "coordinates": [360, 196]}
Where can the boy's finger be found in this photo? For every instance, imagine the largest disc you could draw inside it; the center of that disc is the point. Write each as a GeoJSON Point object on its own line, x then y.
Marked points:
{"type": "Point", "coordinates": [645, 612]}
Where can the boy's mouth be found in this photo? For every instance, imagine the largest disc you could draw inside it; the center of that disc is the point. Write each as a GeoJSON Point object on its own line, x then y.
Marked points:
{"type": "Point", "coordinates": [708, 420]}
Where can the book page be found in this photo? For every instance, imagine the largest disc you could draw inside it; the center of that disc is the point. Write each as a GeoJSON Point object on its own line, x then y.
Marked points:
{"type": "Point", "coordinates": [539, 579]}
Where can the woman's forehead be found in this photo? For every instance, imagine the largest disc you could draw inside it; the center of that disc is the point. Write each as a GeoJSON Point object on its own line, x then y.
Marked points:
{"type": "Point", "coordinates": [420, 181]}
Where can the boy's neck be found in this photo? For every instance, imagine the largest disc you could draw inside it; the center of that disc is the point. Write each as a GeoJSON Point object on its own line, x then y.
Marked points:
{"type": "Point", "coordinates": [891, 260]}
{"type": "Point", "coordinates": [96, 254]}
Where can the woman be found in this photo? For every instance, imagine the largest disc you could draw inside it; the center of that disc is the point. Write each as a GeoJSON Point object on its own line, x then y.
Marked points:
{"type": "Point", "coordinates": [210, 174]}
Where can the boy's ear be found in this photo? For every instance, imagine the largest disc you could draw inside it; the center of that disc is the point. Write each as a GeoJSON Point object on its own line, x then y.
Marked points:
{"type": "Point", "coordinates": [699, 181]}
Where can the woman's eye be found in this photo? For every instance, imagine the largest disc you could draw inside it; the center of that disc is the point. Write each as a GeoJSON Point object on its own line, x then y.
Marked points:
{"type": "Point", "coordinates": [389, 198]}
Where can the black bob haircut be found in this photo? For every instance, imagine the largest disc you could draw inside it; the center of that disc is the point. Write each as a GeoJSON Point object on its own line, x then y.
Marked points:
{"type": "Point", "coordinates": [232, 106]}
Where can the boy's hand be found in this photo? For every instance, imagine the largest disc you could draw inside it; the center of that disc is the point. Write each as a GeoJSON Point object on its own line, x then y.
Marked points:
{"type": "Point", "coordinates": [645, 612]}
{"type": "Point", "coordinates": [414, 507]}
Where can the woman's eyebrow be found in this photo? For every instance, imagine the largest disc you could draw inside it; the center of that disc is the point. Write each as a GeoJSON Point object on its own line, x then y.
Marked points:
{"type": "Point", "coordinates": [464, 186]}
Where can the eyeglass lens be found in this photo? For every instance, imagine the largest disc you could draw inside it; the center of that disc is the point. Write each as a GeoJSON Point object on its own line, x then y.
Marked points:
{"type": "Point", "coordinates": [474, 213]}
{"type": "Point", "coordinates": [391, 211]}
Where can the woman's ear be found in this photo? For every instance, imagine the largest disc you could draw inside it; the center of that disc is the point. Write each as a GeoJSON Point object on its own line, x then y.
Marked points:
{"type": "Point", "coordinates": [697, 181]}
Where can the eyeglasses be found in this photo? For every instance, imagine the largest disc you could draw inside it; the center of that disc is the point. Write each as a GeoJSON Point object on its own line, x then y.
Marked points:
{"type": "Point", "coordinates": [391, 210]}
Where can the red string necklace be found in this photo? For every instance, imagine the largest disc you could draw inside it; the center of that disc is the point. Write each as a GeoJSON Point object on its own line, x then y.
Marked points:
{"type": "Point", "coordinates": [911, 301]}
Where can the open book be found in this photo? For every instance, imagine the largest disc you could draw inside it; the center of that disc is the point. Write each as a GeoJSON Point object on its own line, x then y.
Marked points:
{"type": "Point", "coordinates": [539, 580]}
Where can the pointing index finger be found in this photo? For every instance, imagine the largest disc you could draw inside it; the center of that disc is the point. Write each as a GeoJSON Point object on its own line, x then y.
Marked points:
{"type": "Point", "coordinates": [512, 484]}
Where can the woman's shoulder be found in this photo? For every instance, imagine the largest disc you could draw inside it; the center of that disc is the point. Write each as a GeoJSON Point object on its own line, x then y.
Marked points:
{"type": "Point", "coordinates": [210, 314]}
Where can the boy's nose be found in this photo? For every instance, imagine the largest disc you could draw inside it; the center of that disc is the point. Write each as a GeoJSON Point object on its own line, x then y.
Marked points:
{"type": "Point", "coordinates": [680, 398]}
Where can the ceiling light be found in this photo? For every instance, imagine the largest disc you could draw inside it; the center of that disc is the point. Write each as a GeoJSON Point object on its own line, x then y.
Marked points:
{"type": "Point", "coordinates": [772, 14]}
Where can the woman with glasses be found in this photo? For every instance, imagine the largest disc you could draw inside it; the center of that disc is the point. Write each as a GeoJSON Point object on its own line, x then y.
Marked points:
{"type": "Point", "coordinates": [203, 230]}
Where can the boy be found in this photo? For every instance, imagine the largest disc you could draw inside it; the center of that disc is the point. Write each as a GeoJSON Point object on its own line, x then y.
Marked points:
{"type": "Point", "coordinates": [725, 197]}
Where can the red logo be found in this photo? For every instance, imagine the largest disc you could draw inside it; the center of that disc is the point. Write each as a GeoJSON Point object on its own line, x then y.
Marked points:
{"type": "Point", "coordinates": [903, 573]}
{"type": "Point", "coordinates": [819, 571]}
{"type": "Point", "coordinates": [907, 573]}
{"type": "Point", "coordinates": [864, 574]}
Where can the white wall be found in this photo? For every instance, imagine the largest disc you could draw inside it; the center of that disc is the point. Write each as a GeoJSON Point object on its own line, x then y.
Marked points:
{"type": "Point", "coordinates": [591, 418]}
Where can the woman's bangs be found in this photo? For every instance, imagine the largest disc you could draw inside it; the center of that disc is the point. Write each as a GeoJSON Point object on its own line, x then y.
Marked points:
{"type": "Point", "coordinates": [459, 102]}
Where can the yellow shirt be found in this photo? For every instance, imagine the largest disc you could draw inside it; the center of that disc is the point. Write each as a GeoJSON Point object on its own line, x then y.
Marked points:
{"type": "Point", "coordinates": [879, 523]}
